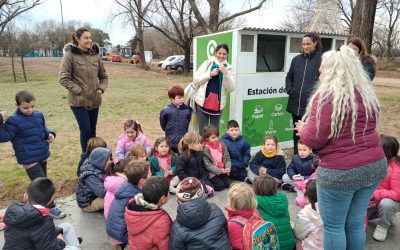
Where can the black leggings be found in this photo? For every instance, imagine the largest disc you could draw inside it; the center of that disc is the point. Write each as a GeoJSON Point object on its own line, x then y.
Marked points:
{"type": "Point", "coordinates": [220, 182]}
{"type": "Point", "coordinates": [39, 170]}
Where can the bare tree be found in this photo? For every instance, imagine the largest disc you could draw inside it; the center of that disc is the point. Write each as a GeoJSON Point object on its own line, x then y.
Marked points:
{"type": "Point", "coordinates": [10, 9]}
{"type": "Point", "coordinates": [134, 11]}
{"type": "Point", "coordinates": [363, 20]}
{"type": "Point", "coordinates": [25, 43]}
{"type": "Point", "coordinates": [392, 9]}
{"type": "Point", "coordinates": [300, 15]}
{"type": "Point", "coordinates": [214, 18]}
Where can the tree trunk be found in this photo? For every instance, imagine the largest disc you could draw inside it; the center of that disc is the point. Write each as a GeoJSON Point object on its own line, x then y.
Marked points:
{"type": "Point", "coordinates": [13, 65]}
{"type": "Point", "coordinates": [214, 14]}
{"type": "Point", "coordinates": [186, 64]}
{"type": "Point", "coordinates": [140, 40]}
{"type": "Point", "coordinates": [363, 21]}
{"type": "Point", "coordinates": [23, 68]}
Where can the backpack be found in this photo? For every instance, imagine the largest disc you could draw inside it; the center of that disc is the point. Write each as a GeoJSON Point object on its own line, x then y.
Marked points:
{"type": "Point", "coordinates": [257, 233]}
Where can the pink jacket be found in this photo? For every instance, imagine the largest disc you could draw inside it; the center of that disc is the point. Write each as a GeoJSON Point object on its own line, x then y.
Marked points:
{"type": "Point", "coordinates": [301, 185]}
{"type": "Point", "coordinates": [390, 186]}
{"type": "Point", "coordinates": [309, 228]}
{"type": "Point", "coordinates": [124, 144]}
{"type": "Point", "coordinates": [366, 148]}
{"type": "Point", "coordinates": [111, 184]}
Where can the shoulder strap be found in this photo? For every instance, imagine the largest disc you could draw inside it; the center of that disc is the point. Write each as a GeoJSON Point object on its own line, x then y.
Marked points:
{"type": "Point", "coordinates": [239, 220]}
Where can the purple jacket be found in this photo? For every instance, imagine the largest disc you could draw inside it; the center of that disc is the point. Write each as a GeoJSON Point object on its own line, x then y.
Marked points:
{"type": "Point", "coordinates": [366, 148]}
{"type": "Point", "coordinates": [124, 144]}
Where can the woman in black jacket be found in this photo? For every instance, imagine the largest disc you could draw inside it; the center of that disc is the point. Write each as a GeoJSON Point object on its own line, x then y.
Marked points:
{"type": "Point", "coordinates": [367, 61]}
{"type": "Point", "coordinates": [302, 77]}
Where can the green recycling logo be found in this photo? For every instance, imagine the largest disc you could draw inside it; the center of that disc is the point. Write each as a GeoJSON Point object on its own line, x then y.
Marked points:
{"type": "Point", "coordinates": [212, 44]}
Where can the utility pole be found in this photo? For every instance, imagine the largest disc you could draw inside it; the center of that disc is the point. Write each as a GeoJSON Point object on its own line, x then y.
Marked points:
{"type": "Point", "coordinates": [62, 22]}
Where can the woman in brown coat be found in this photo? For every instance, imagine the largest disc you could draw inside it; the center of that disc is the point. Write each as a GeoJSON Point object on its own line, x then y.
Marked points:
{"type": "Point", "coordinates": [82, 74]}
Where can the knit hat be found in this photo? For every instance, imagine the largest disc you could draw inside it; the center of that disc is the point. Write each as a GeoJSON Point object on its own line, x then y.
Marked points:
{"type": "Point", "coordinates": [189, 189]}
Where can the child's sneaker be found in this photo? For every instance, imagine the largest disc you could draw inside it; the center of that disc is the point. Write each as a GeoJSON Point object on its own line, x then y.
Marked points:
{"type": "Point", "coordinates": [380, 233]}
{"type": "Point", "coordinates": [247, 180]}
{"type": "Point", "coordinates": [56, 213]}
{"type": "Point", "coordinates": [287, 187]}
{"type": "Point", "coordinates": [393, 220]}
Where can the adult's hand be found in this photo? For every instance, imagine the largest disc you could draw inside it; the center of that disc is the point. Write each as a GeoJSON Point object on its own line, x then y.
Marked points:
{"type": "Point", "coordinates": [223, 69]}
{"type": "Point", "coordinates": [299, 126]}
{"type": "Point", "coordinates": [99, 91]}
{"type": "Point", "coordinates": [214, 72]}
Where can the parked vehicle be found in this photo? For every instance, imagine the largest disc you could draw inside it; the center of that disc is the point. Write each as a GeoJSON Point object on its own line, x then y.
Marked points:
{"type": "Point", "coordinates": [116, 57]}
{"type": "Point", "coordinates": [179, 64]}
{"type": "Point", "coordinates": [166, 64]}
{"type": "Point", "coordinates": [170, 58]}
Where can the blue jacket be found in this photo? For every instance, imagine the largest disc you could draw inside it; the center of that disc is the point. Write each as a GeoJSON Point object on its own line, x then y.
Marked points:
{"type": "Point", "coordinates": [116, 226]}
{"type": "Point", "coordinates": [301, 166]}
{"type": "Point", "coordinates": [91, 177]}
{"type": "Point", "coordinates": [239, 151]}
{"type": "Point", "coordinates": [175, 122]}
{"type": "Point", "coordinates": [276, 166]}
{"type": "Point", "coordinates": [28, 135]}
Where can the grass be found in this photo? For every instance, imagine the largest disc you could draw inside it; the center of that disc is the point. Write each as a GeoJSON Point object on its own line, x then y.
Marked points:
{"type": "Point", "coordinates": [132, 93]}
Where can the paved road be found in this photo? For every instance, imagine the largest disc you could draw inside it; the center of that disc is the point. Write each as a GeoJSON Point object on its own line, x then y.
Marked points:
{"type": "Point", "coordinates": [92, 227]}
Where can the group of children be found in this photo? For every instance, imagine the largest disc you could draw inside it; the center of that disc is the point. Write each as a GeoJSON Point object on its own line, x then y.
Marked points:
{"type": "Point", "coordinates": [132, 189]}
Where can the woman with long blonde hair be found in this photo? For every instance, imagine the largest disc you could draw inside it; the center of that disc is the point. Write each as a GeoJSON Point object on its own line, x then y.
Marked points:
{"type": "Point", "coordinates": [340, 124]}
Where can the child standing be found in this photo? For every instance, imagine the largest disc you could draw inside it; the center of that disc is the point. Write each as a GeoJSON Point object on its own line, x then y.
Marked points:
{"type": "Point", "coordinates": [190, 161]}
{"type": "Point", "coordinates": [268, 161]}
{"type": "Point", "coordinates": [241, 202]}
{"type": "Point", "coordinates": [239, 151]}
{"type": "Point", "coordinates": [175, 117]}
{"type": "Point", "coordinates": [94, 142]}
{"type": "Point", "coordinates": [198, 224]}
{"type": "Point", "coordinates": [90, 190]}
{"type": "Point", "coordinates": [216, 158]}
{"type": "Point", "coordinates": [115, 178]}
{"type": "Point", "coordinates": [30, 138]}
{"type": "Point", "coordinates": [147, 223]}
{"type": "Point", "coordinates": [162, 162]}
{"type": "Point", "coordinates": [29, 225]}
{"type": "Point", "coordinates": [133, 134]}
{"type": "Point", "coordinates": [273, 207]}
{"type": "Point", "coordinates": [300, 168]}
{"type": "Point", "coordinates": [136, 172]}
{"type": "Point", "coordinates": [385, 202]}
{"type": "Point", "coordinates": [309, 228]}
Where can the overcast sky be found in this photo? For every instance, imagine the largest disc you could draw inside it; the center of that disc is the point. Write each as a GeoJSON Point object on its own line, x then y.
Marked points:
{"type": "Point", "coordinates": [97, 13]}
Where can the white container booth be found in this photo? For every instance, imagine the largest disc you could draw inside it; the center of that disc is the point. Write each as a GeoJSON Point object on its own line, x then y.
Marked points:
{"type": "Point", "coordinates": [260, 59]}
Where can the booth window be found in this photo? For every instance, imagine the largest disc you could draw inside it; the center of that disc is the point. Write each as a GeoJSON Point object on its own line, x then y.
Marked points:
{"type": "Point", "coordinates": [326, 44]}
{"type": "Point", "coordinates": [339, 43]}
{"type": "Point", "coordinates": [270, 53]}
{"type": "Point", "coordinates": [295, 45]}
{"type": "Point", "coordinates": [247, 43]}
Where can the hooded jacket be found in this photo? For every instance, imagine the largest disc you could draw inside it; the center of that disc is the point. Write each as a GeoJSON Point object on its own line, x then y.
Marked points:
{"type": "Point", "coordinates": [175, 122]}
{"type": "Point", "coordinates": [111, 184]}
{"type": "Point", "coordinates": [201, 78]}
{"type": "Point", "coordinates": [91, 177]}
{"type": "Point", "coordinates": [390, 186]}
{"type": "Point", "coordinates": [28, 135]}
{"type": "Point", "coordinates": [301, 166]}
{"type": "Point", "coordinates": [125, 144]}
{"type": "Point", "coordinates": [309, 228]}
{"type": "Point", "coordinates": [301, 80]}
{"type": "Point", "coordinates": [239, 151]}
{"type": "Point", "coordinates": [30, 228]}
{"type": "Point", "coordinates": [275, 209]}
{"type": "Point", "coordinates": [82, 73]}
{"type": "Point", "coordinates": [116, 226]}
{"type": "Point", "coordinates": [199, 225]}
{"type": "Point", "coordinates": [147, 229]}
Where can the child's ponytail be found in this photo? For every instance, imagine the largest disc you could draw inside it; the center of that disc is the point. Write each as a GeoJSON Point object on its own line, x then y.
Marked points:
{"type": "Point", "coordinates": [188, 139]}
{"type": "Point", "coordinates": [135, 125]}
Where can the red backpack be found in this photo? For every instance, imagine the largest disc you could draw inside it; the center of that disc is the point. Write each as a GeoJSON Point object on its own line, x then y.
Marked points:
{"type": "Point", "coordinates": [257, 233]}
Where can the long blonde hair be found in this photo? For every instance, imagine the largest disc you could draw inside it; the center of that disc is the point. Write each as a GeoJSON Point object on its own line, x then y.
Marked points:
{"type": "Point", "coordinates": [343, 76]}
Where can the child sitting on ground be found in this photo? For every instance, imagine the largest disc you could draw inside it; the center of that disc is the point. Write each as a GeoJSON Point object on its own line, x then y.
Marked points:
{"type": "Point", "coordinates": [216, 158]}
{"type": "Point", "coordinates": [136, 172]}
{"type": "Point", "coordinates": [147, 223]}
{"type": "Point", "coordinates": [175, 117]}
{"type": "Point", "coordinates": [190, 161]}
{"type": "Point", "coordinates": [239, 151]}
{"type": "Point", "coordinates": [162, 162]}
{"type": "Point", "coordinates": [268, 161]}
{"type": "Point", "coordinates": [133, 134]}
{"type": "Point", "coordinates": [28, 226]}
{"type": "Point", "coordinates": [300, 186]}
{"type": "Point", "coordinates": [94, 142]}
{"type": "Point", "coordinates": [273, 207]}
{"type": "Point", "coordinates": [90, 190]}
{"type": "Point", "coordinates": [309, 228]}
{"type": "Point", "coordinates": [115, 178]}
{"type": "Point", "coordinates": [30, 138]}
{"type": "Point", "coordinates": [198, 224]}
{"type": "Point", "coordinates": [385, 202]}
{"type": "Point", "coordinates": [137, 152]}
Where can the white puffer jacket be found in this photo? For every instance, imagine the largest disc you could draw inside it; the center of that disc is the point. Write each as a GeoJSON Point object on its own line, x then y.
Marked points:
{"type": "Point", "coordinates": [201, 78]}
{"type": "Point", "coordinates": [309, 228]}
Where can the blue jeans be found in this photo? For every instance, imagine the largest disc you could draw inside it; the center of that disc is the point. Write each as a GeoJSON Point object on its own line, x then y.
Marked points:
{"type": "Point", "coordinates": [87, 121]}
{"type": "Point", "coordinates": [343, 213]}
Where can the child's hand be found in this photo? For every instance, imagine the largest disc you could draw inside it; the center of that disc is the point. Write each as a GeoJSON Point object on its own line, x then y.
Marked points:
{"type": "Point", "coordinates": [166, 174]}
{"type": "Point", "coordinates": [60, 236]}
{"type": "Point", "coordinates": [169, 172]}
{"type": "Point", "coordinates": [5, 115]}
{"type": "Point", "coordinates": [262, 170]}
{"type": "Point", "coordinates": [50, 138]}
{"type": "Point", "coordinates": [25, 198]}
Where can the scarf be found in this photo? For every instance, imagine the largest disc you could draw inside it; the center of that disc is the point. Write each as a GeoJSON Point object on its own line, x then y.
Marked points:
{"type": "Point", "coordinates": [141, 202]}
{"type": "Point", "coordinates": [269, 155]}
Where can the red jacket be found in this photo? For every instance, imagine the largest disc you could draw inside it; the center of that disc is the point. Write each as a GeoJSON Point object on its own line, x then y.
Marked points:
{"type": "Point", "coordinates": [235, 230]}
{"type": "Point", "coordinates": [148, 229]}
{"type": "Point", "coordinates": [365, 150]}
{"type": "Point", "coordinates": [390, 186]}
